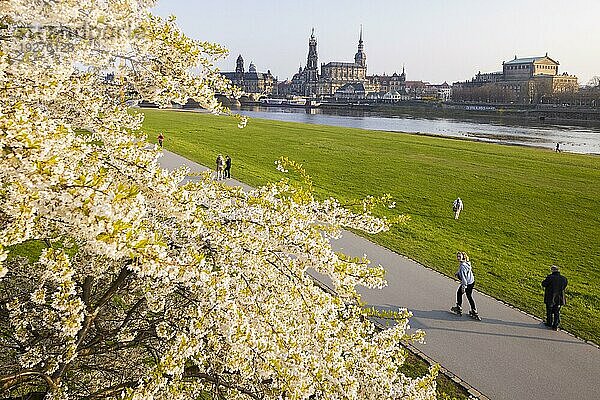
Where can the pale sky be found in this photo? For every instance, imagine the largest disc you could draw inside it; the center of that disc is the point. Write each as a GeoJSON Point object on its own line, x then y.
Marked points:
{"type": "Point", "coordinates": [437, 40]}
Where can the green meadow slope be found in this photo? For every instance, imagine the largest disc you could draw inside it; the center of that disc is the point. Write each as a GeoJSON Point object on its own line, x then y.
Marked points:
{"type": "Point", "coordinates": [525, 208]}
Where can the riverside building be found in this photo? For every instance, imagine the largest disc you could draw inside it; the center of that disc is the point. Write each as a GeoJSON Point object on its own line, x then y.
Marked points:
{"type": "Point", "coordinates": [251, 81]}
{"type": "Point", "coordinates": [522, 80]}
{"type": "Point", "coordinates": [342, 80]}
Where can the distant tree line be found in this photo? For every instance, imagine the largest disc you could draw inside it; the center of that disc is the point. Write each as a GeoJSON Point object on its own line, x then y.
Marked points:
{"type": "Point", "coordinates": [529, 93]}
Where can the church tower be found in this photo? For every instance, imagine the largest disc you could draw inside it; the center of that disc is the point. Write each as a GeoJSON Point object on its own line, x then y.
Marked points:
{"type": "Point", "coordinates": [312, 59]}
{"type": "Point", "coordinates": [239, 68]}
{"type": "Point", "coordinates": [312, 67]}
{"type": "Point", "coordinates": [360, 58]}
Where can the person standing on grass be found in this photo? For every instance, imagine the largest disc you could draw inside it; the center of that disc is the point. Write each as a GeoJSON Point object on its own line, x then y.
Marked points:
{"type": "Point", "coordinates": [227, 166]}
{"type": "Point", "coordinates": [457, 207]}
{"type": "Point", "coordinates": [160, 139]}
{"type": "Point", "coordinates": [554, 296]}
{"type": "Point", "coordinates": [220, 165]}
{"type": "Point", "coordinates": [467, 282]}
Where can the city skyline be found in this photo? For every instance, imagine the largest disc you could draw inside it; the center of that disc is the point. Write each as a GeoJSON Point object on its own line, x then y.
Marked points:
{"type": "Point", "coordinates": [439, 41]}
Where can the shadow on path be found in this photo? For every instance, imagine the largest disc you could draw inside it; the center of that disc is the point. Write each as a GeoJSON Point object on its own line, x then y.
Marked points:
{"type": "Point", "coordinates": [420, 318]}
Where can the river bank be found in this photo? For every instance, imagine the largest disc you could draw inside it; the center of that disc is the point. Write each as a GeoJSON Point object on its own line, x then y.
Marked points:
{"type": "Point", "coordinates": [505, 113]}
{"type": "Point", "coordinates": [555, 114]}
{"type": "Point", "coordinates": [574, 139]}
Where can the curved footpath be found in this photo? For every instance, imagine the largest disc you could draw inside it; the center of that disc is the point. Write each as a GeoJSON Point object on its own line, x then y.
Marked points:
{"type": "Point", "coordinates": [509, 355]}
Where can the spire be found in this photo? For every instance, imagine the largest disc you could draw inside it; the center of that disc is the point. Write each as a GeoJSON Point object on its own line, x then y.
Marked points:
{"type": "Point", "coordinates": [360, 41]}
{"type": "Point", "coordinates": [360, 57]}
{"type": "Point", "coordinates": [360, 37]}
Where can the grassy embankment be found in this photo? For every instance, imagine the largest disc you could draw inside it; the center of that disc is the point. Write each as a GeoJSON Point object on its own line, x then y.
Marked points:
{"type": "Point", "coordinates": [525, 208]}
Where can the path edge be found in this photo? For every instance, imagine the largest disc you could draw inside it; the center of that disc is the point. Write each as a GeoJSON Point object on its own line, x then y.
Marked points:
{"type": "Point", "coordinates": [586, 341]}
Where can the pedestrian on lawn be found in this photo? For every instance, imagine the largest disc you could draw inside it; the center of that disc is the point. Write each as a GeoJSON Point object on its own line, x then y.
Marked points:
{"type": "Point", "coordinates": [457, 207]}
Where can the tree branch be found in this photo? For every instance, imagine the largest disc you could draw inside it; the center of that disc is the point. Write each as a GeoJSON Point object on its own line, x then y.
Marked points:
{"type": "Point", "coordinates": [194, 373]}
{"type": "Point", "coordinates": [9, 381]}
{"type": "Point", "coordinates": [111, 391]}
{"type": "Point", "coordinates": [93, 312]}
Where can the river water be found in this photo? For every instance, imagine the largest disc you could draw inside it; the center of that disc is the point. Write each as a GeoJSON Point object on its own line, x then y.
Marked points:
{"type": "Point", "coordinates": [574, 139]}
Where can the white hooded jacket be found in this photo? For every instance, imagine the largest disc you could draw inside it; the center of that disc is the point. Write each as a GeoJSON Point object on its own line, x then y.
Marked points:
{"type": "Point", "coordinates": [465, 273]}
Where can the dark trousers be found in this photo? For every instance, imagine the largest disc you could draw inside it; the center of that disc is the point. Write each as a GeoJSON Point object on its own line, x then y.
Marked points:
{"type": "Point", "coordinates": [227, 172]}
{"type": "Point", "coordinates": [469, 293]}
{"type": "Point", "coordinates": [553, 315]}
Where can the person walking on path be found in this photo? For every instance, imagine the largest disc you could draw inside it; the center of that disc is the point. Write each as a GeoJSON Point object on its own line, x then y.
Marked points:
{"type": "Point", "coordinates": [220, 166]}
{"type": "Point", "coordinates": [227, 167]}
{"type": "Point", "coordinates": [457, 207]}
{"type": "Point", "coordinates": [467, 282]}
{"type": "Point", "coordinates": [160, 139]}
{"type": "Point", "coordinates": [557, 148]}
{"type": "Point", "coordinates": [554, 296]}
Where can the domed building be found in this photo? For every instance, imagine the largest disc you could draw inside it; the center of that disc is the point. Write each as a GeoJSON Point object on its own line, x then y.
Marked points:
{"type": "Point", "coordinates": [252, 82]}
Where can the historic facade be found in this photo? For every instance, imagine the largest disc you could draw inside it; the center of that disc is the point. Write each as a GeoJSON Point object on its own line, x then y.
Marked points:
{"type": "Point", "coordinates": [522, 80]}
{"type": "Point", "coordinates": [334, 78]}
{"type": "Point", "coordinates": [252, 82]}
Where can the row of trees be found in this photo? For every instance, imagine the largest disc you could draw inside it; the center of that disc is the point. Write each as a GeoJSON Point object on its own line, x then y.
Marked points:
{"type": "Point", "coordinates": [146, 287]}
{"type": "Point", "coordinates": [488, 94]}
{"type": "Point", "coordinates": [528, 93]}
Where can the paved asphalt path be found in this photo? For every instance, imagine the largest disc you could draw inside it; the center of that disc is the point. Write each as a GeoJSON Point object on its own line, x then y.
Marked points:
{"type": "Point", "coordinates": [508, 355]}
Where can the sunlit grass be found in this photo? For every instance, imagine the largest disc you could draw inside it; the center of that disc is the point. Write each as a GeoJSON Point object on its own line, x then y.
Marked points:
{"type": "Point", "coordinates": [525, 208]}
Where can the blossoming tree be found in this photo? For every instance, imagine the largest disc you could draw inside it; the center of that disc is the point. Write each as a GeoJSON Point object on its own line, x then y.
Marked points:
{"type": "Point", "coordinates": [148, 286]}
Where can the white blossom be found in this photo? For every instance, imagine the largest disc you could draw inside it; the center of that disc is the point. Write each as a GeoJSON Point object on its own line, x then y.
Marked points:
{"type": "Point", "coordinates": [148, 287]}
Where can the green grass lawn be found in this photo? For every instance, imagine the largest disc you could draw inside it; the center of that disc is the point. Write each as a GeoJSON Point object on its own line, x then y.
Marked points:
{"type": "Point", "coordinates": [525, 208]}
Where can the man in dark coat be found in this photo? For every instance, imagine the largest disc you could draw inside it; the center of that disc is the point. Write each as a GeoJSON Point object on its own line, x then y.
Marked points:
{"type": "Point", "coordinates": [227, 167]}
{"type": "Point", "coordinates": [554, 296]}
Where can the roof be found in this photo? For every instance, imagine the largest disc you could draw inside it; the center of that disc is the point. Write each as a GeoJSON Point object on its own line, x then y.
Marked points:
{"type": "Point", "coordinates": [528, 60]}
{"type": "Point", "coordinates": [415, 83]}
{"type": "Point", "coordinates": [342, 64]}
{"type": "Point", "coordinates": [247, 75]}
{"type": "Point", "coordinates": [230, 75]}
{"type": "Point", "coordinates": [490, 73]}
{"type": "Point", "coordinates": [356, 87]}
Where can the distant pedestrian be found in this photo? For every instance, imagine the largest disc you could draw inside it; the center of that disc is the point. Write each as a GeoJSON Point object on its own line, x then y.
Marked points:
{"type": "Point", "coordinates": [467, 282]}
{"type": "Point", "coordinates": [557, 148]}
{"type": "Point", "coordinates": [554, 296]}
{"type": "Point", "coordinates": [227, 167]}
{"type": "Point", "coordinates": [457, 207]}
{"type": "Point", "coordinates": [220, 166]}
{"type": "Point", "coordinates": [160, 139]}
